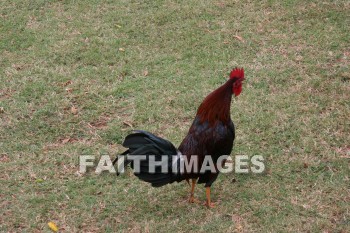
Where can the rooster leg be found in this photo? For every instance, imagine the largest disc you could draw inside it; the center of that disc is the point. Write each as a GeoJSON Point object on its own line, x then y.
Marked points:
{"type": "Point", "coordinates": [192, 199]}
{"type": "Point", "coordinates": [209, 204]}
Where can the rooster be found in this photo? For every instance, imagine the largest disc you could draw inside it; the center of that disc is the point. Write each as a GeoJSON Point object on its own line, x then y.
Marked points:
{"type": "Point", "coordinates": [211, 134]}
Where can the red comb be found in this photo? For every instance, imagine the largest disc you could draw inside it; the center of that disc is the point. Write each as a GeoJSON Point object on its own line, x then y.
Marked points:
{"type": "Point", "coordinates": [237, 73]}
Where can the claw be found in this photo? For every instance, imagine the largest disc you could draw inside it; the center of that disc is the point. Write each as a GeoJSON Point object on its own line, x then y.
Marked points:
{"type": "Point", "coordinates": [209, 205]}
{"type": "Point", "coordinates": [193, 200]}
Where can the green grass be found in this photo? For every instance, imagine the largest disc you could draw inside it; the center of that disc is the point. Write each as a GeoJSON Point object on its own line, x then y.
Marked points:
{"type": "Point", "coordinates": [77, 77]}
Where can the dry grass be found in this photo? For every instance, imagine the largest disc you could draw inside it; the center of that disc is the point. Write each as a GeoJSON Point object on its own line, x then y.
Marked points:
{"type": "Point", "coordinates": [77, 77]}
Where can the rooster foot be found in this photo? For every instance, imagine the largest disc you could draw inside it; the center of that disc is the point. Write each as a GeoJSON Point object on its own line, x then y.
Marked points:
{"type": "Point", "coordinates": [193, 200]}
{"type": "Point", "coordinates": [209, 205]}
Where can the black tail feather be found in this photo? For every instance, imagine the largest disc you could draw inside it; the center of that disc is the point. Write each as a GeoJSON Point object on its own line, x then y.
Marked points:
{"type": "Point", "coordinates": [116, 159]}
{"type": "Point", "coordinates": [145, 143]}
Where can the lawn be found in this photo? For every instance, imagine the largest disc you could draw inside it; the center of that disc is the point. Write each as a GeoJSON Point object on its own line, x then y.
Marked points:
{"type": "Point", "coordinates": [78, 76]}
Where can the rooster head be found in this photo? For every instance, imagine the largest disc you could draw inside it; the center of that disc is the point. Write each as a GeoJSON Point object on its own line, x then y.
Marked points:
{"type": "Point", "coordinates": [237, 76]}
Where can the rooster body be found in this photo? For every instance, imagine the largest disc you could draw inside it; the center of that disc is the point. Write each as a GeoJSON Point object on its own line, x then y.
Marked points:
{"type": "Point", "coordinates": [203, 139]}
{"type": "Point", "coordinates": [212, 133]}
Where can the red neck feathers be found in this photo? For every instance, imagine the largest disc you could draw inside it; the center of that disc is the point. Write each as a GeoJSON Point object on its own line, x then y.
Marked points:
{"type": "Point", "coordinates": [216, 106]}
